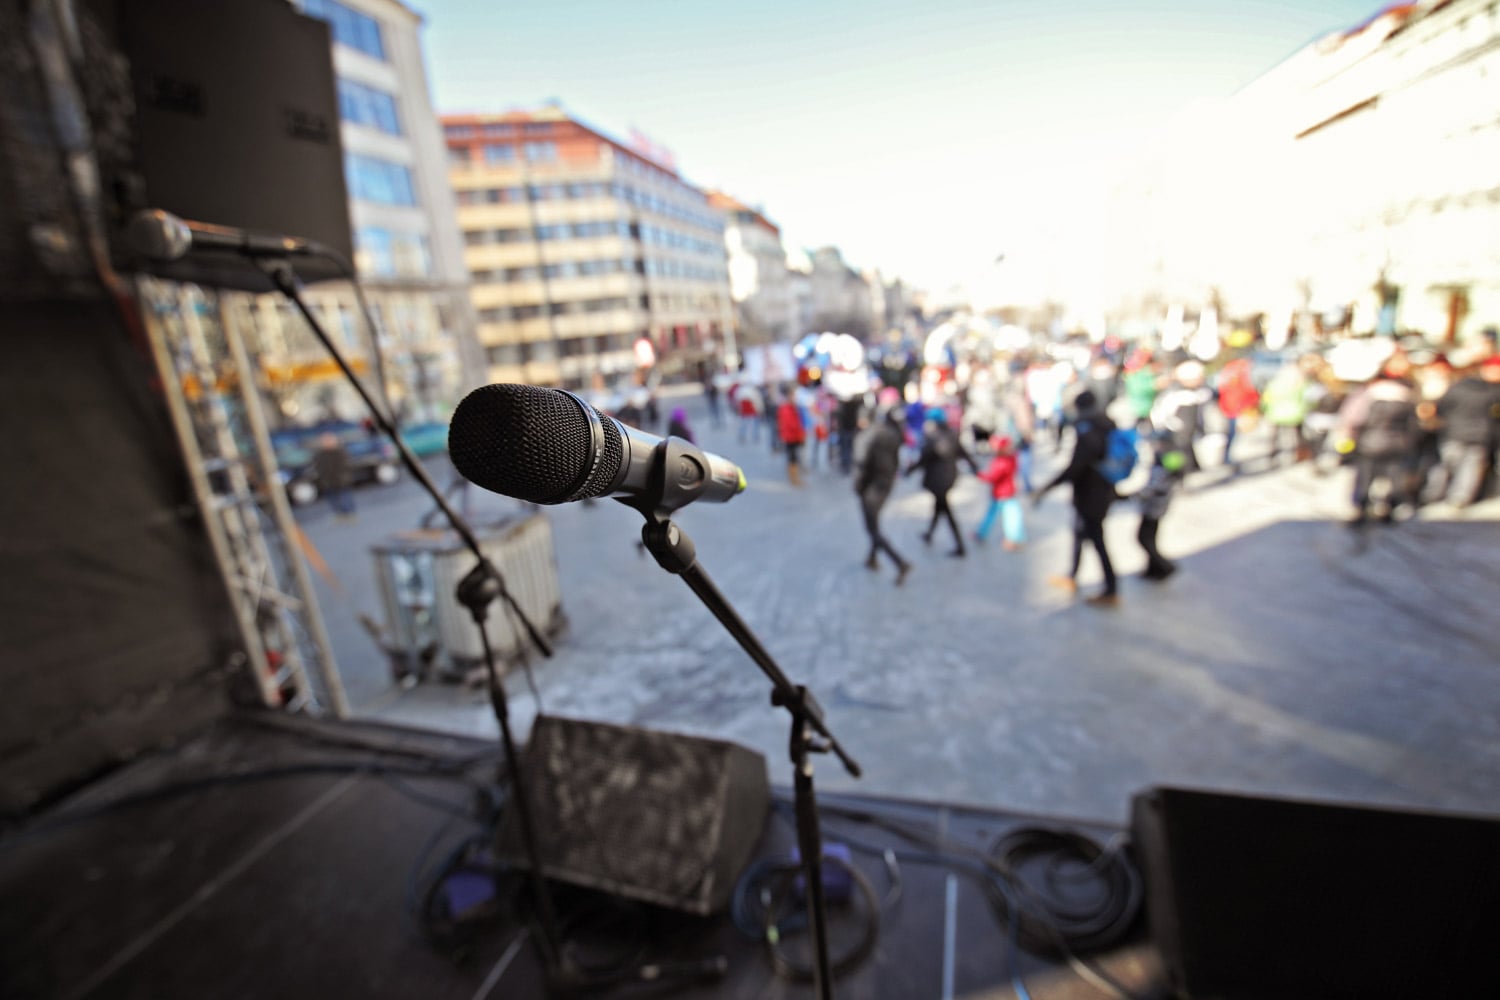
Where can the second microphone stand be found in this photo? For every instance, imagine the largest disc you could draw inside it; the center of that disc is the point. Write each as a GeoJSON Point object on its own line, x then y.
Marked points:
{"type": "Point", "coordinates": [674, 552]}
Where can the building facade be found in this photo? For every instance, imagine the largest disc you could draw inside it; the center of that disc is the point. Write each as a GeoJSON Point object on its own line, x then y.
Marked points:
{"type": "Point", "coordinates": [841, 296]}
{"type": "Point", "coordinates": [408, 252]}
{"type": "Point", "coordinates": [758, 280]}
{"type": "Point", "coordinates": [1354, 181]}
{"type": "Point", "coordinates": [589, 260]}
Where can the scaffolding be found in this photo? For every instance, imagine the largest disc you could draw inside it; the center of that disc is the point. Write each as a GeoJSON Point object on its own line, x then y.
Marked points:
{"type": "Point", "coordinates": [210, 381]}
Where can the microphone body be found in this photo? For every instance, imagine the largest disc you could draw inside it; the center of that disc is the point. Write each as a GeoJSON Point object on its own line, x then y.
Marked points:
{"type": "Point", "coordinates": [550, 446]}
{"type": "Point", "coordinates": [162, 236]}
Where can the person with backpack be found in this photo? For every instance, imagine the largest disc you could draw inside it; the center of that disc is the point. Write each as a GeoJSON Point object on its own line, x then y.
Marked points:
{"type": "Point", "coordinates": [938, 460]}
{"type": "Point", "coordinates": [1178, 410]}
{"type": "Point", "coordinates": [1098, 462]}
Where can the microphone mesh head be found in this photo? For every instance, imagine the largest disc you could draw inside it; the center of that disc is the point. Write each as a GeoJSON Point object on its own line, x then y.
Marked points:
{"type": "Point", "coordinates": [531, 443]}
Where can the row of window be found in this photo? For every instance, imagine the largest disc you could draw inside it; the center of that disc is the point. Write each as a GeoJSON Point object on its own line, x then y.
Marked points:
{"type": "Point", "coordinates": [537, 192]}
{"type": "Point", "coordinates": [577, 307]}
{"type": "Point", "coordinates": [547, 351]}
{"type": "Point", "coordinates": [658, 237]}
{"type": "Point", "coordinates": [591, 189]}
{"type": "Point", "coordinates": [562, 269]}
{"type": "Point", "coordinates": [362, 104]}
{"type": "Point", "coordinates": [373, 179]}
{"type": "Point", "coordinates": [349, 27]}
{"type": "Point", "coordinates": [554, 231]}
{"type": "Point", "coordinates": [388, 253]}
{"type": "Point", "coordinates": [501, 154]}
{"type": "Point", "coordinates": [677, 269]}
{"type": "Point", "coordinates": [497, 130]}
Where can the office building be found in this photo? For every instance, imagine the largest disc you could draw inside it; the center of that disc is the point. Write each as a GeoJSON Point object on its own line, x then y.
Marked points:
{"type": "Point", "coordinates": [407, 247]}
{"type": "Point", "coordinates": [759, 282]}
{"type": "Point", "coordinates": [592, 261]}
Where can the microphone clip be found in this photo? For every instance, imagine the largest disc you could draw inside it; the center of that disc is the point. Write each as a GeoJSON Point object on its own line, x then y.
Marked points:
{"type": "Point", "coordinates": [678, 475]}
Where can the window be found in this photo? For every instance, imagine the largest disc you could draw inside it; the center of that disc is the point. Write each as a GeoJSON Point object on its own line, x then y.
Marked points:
{"type": "Point", "coordinates": [459, 131]}
{"type": "Point", "coordinates": [538, 128]}
{"type": "Point", "coordinates": [458, 156]}
{"type": "Point", "coordinates": [386, 253]}
{"type": "Point", "coordinates": [348, 27]}
{"type": "Point", "coordinates": [527, 312]}
{"type": "Point", "coordinates": [495, 152]}
{"type": "Point", "coordinates": [374, 179]}
{"type": "Point", "coordinates": [540, 152]}
{"type": "Point", "coordinates": [554, 232]}
{"type": "Point", "coordinates": [499, 131]}
{"type": "Point", "coordinates": [505, 354]}
{"type": "Point", "coordinates": [498, 314]}
{"type": "Point", "coordinates": [365, 105]}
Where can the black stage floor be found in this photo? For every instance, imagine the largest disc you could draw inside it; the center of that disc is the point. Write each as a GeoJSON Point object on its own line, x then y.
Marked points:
{"type": "Point", "coordinates": [274, 857]}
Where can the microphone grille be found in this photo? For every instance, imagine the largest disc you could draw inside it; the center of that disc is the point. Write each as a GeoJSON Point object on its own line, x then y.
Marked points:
{"type": "Point", "coordinates": [531, 443]}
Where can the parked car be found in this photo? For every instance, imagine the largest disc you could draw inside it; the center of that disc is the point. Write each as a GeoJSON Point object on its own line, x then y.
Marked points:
{"type": "Point", "coordinates": [372, 459]}
{"type": "Point", "coordinates": [426, 439]}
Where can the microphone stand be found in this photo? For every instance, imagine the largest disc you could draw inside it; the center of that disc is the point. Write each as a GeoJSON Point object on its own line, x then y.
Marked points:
{"type": "Point", "coordinates": [480, 588]}
{"type": "Point", "coordinates": [674, 552]}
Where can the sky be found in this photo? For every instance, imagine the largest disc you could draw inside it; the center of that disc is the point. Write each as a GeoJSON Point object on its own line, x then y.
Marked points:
{"type": "Point", "coordinates": [922, 138]}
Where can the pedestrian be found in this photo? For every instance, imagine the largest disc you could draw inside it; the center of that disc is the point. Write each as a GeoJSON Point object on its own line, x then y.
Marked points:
{"type": "Point", "coordinates": [748, 402]}
{"type": "Point", "coordinates": [938, 460]}
{"type": "Point", "coordinates": [1179, 411]}
{"type": "Point", "coordinates": [1154, 498]}
{"type": "Point", "coordinates": [711, 396]}
{"type": "Point", "coordinates": [1378, 425]}
{"type": "Point", "coordinates": [677, 425]}
{"type": "Point", "coordinates": [1142, 378]}
{"type": "Point", "coordinates": [848, 416]}
{"type": "Point", "coordinates": [1021, 420]}
{"type": "Point", "coordinates": [1238, 400]}
{"type": "Point", "coordinates": [873, 482]}
{"type": "Point", "coordinates": [792, 433]}
{"type": "Point", "coordinates": [1092, 496]}
{"type": "Point", "coordinates": [1470, 415]}
{"type": "Point", "coordinates": [1001, 475]}
{"type": "Point", "coordinates": [773, 398]}
{"type": "Point", "coordinates": [334, 476]}
{"type": "Point", "coordinates": [1287, 401]}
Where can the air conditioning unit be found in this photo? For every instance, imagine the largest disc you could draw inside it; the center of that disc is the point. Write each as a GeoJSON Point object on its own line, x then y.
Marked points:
{"type": "Point", "coordinates": [419, 573]}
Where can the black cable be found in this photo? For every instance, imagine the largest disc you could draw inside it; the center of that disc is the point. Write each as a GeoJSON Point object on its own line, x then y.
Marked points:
{"type": "Point", "coordinates": [756, 909]}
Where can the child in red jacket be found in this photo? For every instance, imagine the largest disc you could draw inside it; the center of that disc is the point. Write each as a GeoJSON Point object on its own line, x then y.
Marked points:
{"type": "Point", "coordinates": [1001, 475]}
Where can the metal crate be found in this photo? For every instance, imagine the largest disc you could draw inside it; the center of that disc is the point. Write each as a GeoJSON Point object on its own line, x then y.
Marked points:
{"type": "Point", "coordinates": [419, 573]}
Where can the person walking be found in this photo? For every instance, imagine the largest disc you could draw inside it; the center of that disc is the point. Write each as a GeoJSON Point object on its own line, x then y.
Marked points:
{"type": "Point", "coordinates": [792, 433]}
{"type": "Point", "coordinates": [1179, 411]}
{"type": "Point", "coordinates": [711, 396]}
{"type": "Point", "coordinates": [1379, 425]}
{"type": "Point", "coordinates": [1287, 401]}
{"type": "Point", "coordinates": [1238, 400]}
{"type": "Point", "coordinates": [334, 476]}
{"type": "Point", "coordinates": [747, 400]}
{"type": "Point", "coordinates": [1154, 498]}
{"type": "Point", "coordinates": [1001, 475]}
{"type": "Point", "coordinates": [1470, 415]}
{"type": "Point", "coordinates": [873, 482]}
{"type": "Point", "coordinates": [1092, 496]}
{"type": "Point", "coordinates": [938, 460]}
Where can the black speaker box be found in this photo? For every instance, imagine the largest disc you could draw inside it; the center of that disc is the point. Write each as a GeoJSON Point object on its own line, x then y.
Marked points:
{"type": "Point", "coordinates": [1256, 898]}
{"type": "Point", "coordinates": [657, 817]}
{"type": "Point", "coordinates": [236, 122]}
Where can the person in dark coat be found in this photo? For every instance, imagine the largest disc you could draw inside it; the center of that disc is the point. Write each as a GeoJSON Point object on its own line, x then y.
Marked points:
{"type": "Point", "coordinates": [873, 482]}
{"type": "Point", "coordinates": [1092, 496]}
{"type": "Point", "coordinates": [1470, 415]}
{"type": "Point", "coordinates": [334, 476]}
{"type": "Point", "coordinates": [1379, 423]}
{"type": "Point", "coordinates": [941, 450]}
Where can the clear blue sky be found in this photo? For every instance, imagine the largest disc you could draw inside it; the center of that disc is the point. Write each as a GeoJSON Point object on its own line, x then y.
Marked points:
{"type": "Point", "coordinates": [921, 137]}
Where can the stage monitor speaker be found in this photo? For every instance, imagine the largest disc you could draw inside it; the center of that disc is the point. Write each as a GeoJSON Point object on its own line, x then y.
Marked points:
{"type": "Point", "coordinates": [657, 817]}
{"type": "Point", "coordinates": [236, 123]}
{"type": "Point", "coordinates": [1256, 898]}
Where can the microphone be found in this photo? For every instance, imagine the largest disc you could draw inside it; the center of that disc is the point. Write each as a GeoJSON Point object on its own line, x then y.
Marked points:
{"type": "Point", "coordinates": [549, 446]}
{"type": "Point", "coordinates": [160, 235]}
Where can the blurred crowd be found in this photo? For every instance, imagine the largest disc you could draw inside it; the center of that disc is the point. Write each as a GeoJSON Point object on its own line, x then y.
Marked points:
{"type": "Point", "coordinates": [1134, 422]}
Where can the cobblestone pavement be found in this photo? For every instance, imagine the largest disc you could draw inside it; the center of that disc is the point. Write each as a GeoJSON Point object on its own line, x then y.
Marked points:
{"type": "Point", "coordinates": [1290, 655]}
